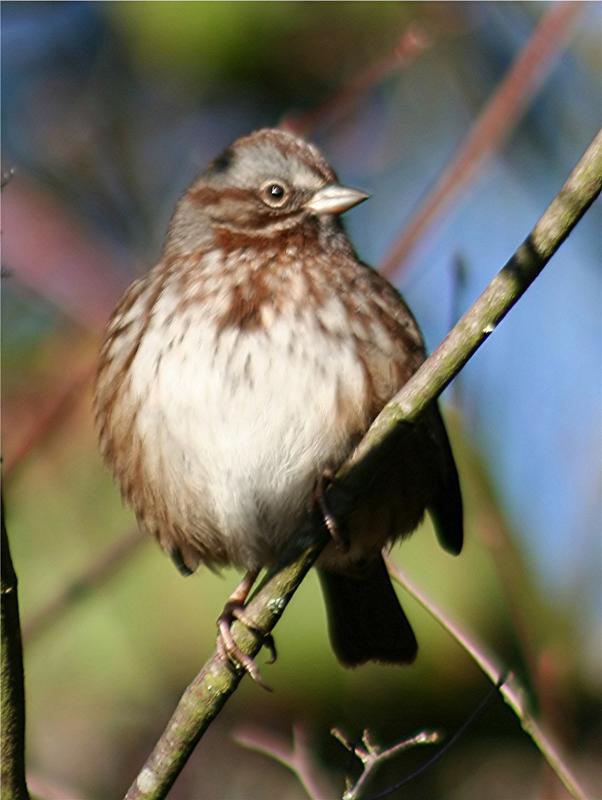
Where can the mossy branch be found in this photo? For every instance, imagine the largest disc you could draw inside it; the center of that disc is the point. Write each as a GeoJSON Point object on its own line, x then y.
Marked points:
{"type": "Point", "coordinates": [209, 691]}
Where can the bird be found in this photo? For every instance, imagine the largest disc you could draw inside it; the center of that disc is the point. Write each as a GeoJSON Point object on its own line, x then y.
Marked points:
{"type": "Point", "coordinates": [246, 366]}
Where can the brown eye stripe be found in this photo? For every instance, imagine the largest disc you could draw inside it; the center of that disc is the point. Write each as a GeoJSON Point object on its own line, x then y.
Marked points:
{"type": "Point", "coordinates": [210, 195]}
{"type": "Point", "coordinates": [207, 195]}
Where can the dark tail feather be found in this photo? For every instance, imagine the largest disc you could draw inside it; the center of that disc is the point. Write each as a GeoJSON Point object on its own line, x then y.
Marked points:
{"type": "Point", "coordinates": [445, 507]}
{"type": "Point", "coordinates": [365, 619]}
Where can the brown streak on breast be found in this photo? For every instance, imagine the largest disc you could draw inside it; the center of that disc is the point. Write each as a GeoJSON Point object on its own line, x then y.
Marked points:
{"type": "Point", "coordinates": [244, 311]}
{"type": "Point", "coordinates": [314, 290]}
{"type": "Point", "coordinates": [254, 259]}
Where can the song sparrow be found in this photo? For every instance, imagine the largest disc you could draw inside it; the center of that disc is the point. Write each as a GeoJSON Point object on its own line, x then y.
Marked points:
{"type": "Point", "coordinates": [247, 364]}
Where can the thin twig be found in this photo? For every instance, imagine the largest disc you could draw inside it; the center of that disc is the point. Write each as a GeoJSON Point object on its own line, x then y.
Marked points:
{"type": "Point", "coordinates": [513, 580]}
{"type": "Point", "coordinates": [510, 688]}
{"type": "Point", "coordinates": [12, 694]}
{"type": "Point", "coordinates": [372, 756]}
{"type": "Point", "coordinates": [492, 126]}
{"type": "Point", "coordinates": [93, 576]}
{"type": "Point", "coordinates": [209, 691]}
{"type": "Point", "coordinates": [296, 757]}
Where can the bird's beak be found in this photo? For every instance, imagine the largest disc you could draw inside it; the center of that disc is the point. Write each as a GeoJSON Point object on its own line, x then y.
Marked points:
{"type": "Point", "coordinates": [335, 199]}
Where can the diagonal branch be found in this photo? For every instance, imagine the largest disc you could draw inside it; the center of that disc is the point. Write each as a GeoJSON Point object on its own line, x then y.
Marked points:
{"type": "Point", "coordinates": [206, 695]}
{"type": "Point", "coordinates": [510, 688]}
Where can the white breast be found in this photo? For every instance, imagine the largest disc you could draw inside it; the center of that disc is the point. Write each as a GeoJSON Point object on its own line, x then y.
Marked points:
{"type": "Point", "coordinates": [236, 426]}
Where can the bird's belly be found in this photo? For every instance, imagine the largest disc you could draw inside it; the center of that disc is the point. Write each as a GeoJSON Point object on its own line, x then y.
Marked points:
{"type": "Point", "coordinates": [237, 427]}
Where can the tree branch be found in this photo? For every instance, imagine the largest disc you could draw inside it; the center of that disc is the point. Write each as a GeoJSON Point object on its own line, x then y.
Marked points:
{"type": "Point", "coordinates": [296, 756]}
{"type": "Point", "coordinates": [372, 755]}
{"type": "Point", "coordinates": [12, 741]}
{"type": "Point", "coordinates": [209, 691]}
{"type": "Point", "coordinates": [510, 688]}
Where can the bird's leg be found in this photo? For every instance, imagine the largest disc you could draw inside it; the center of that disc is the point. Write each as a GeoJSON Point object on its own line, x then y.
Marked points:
{"type": "Point", "coordinates": [234, 609]}
{"type": "Point", "coordinates": [338, 536]}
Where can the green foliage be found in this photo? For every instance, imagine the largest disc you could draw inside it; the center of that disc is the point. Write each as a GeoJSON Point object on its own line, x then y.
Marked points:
{"type": "Point", "coordinates": [289, 49]}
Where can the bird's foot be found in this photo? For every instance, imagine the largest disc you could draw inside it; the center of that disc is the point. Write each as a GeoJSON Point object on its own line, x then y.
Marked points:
{"type": "Point", "coordinates": [227, 647]}
{"type": "Point", "coordinates": [338, 536]}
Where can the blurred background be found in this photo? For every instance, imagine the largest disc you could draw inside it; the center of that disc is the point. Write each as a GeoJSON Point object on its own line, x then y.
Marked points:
{"type": "Point", "coordinates": [109, 110]}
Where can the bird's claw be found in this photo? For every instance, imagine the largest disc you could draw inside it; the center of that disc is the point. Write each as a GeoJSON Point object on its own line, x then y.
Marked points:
{"type": "Point", "coordinates": [338, 536]}
{"type": "Point", "coordinates": [231, 652]}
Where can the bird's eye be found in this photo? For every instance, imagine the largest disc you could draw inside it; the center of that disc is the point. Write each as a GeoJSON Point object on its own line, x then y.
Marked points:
{"type": "Point", "coordinates": [274, 193]}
